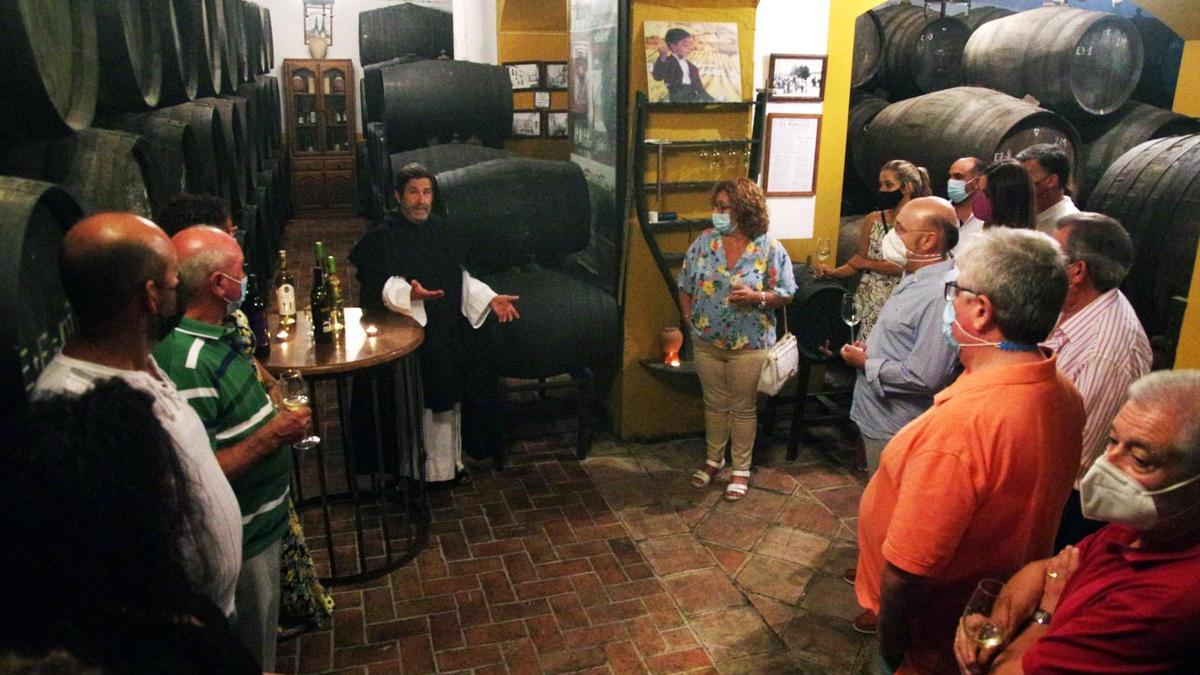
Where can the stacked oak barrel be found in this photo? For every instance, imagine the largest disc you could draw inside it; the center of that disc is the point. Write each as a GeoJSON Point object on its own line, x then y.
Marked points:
{"type": "Point", "coordinates": [118, 105]}
{"type": "Point", "coordinates": [988, 83]}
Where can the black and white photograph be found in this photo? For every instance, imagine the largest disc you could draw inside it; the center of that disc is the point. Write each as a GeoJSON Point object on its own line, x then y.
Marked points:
{"type": "Point", "coordinates": [527, 124]}
{"type": "Point", "coordinates": [797, 77]}
{"type": "Point", "coordinates": [556, 75]}
{"type": "Point", "coordinates": [525, 75]}
{"type": "Point", "coordinates": [557, 125]}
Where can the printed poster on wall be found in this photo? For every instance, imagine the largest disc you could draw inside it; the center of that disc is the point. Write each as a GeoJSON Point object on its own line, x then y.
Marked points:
{"type": "Point", "coordinates": [692, 61]}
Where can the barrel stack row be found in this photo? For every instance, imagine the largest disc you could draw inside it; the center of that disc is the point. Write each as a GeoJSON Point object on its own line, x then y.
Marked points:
{"type": "Point", "coordinates": [152, 98]}
{"type": "Point", "coordinates": [932, 88]}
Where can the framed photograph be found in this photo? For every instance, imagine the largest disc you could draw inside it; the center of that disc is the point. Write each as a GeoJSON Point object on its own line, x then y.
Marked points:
{"type": "Point", "coordinates": [797, 77]}
{"type": "Point", "coordinates": [791, 146]}
{"type": "Point", "coordinates": [527, 124]}
{"type": "Point", "coordinates": [555, 76]}
{"type": "Point", "coordinates": [525, 75]}
{"type": "Point", "coordinates": [707, 51]}
{"type": "Point", "coordinates": [557, 124]}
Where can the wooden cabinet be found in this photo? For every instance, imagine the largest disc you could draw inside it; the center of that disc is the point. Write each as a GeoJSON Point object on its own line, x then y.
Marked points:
{"type": "Point", "coordinates": [320, 125]}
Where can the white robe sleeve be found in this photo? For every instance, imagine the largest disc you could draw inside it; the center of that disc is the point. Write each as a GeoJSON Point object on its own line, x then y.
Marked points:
{"type": "Point", "coordinates": [397, 296]}
{"type": "Point", "coordinates": [476, 300]}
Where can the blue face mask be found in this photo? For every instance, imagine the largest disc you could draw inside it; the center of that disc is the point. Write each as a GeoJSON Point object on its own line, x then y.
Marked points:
{"type": "Point", "coordinates": [233, 305]}
{"type": "Point", "coordinates": [948, 318]}
{"type": "Point", "coordinates": [722, 223]}
{"type": "Point", "coordinates": [956, 190]}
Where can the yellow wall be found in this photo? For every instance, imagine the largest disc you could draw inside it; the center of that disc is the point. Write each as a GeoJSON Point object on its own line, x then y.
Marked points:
{"type": "Point", "coordinates": [1187, 102]}
{"type": "Point", "coordinates": [534, 30]}
{"type": "Point", "coordinates": [647, 405]}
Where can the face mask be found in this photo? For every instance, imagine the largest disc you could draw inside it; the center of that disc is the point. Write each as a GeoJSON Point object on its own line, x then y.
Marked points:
{"type": "Point", "coordinates": [956, 190]}
{"type": "Point", "coordinates": [722, 223]}
{"type": "Point", "coordinates": [1110, 495]}
{"type": "Point", "coordinates": [982, 207]}
{"type": "Point", "coordinates": [893, 250]}
{"type": "Point", "coordinates": [233, 305]}
{"type": "Point", "coordinates": [950, 318]}
{"type": "Point", "coordinates": [887, 201]}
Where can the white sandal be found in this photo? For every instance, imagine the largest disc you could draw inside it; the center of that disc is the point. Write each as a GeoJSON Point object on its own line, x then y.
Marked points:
{"type": "Point", "coordinates": [735, 491]}
{"type": "Point", "coordinates": [706, 473]}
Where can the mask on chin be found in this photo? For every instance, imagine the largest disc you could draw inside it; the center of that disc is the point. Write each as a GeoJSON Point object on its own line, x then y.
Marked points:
{"type": "Point", "coordinates": [1110, 495]}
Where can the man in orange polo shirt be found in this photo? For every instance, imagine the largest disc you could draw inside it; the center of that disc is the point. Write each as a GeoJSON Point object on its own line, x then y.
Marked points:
{"type": "Point", "coordinates": [973, 488]}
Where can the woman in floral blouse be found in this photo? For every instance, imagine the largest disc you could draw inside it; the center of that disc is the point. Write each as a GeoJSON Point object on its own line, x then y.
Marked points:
{"type": "Point", "coordinates": [733, 278]}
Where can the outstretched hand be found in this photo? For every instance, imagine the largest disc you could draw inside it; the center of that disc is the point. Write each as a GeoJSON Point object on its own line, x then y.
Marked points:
{"type": "Point", "coordinates": [503, 307]}
{"type": "Point", "coordinates": [419, 292]}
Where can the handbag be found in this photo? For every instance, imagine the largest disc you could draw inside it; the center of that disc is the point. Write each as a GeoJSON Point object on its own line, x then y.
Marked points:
{"type": "Point", "coordinates": [783, 360]}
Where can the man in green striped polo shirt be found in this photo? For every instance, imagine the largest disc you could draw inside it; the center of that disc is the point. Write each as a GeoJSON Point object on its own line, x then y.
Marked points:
{"type": "Point", "coordinates": [251, 437]}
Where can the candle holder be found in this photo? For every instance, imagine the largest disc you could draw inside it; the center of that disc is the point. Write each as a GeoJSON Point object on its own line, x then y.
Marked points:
{"type": "Point", "coordinates": [672, 341]}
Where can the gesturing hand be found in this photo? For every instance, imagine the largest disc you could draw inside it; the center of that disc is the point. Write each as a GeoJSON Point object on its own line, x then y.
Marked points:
{"type": "Point", "coordinates": [419, 292]}
{"type": "Point", "coordinates": [855, 355]}
{"type": "Point", "coordinates": [503, 306]}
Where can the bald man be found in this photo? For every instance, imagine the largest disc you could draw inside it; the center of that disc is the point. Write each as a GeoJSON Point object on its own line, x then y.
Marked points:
{"type": "Point", "coordinates": [252, 439]}
{"type": "Point", "coordinates": [119, 273]}
{"type": "Point", "coordinates": [961, 189]}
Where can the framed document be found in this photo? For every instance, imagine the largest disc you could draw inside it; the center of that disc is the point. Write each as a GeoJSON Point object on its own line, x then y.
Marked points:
{"type": "Point", "coordinates": [541, 99]}
{"type": "Point", "coordinates": [791, 146]}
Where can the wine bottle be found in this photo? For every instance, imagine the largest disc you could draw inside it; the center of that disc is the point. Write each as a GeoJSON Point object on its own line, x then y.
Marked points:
{"type": "Point", "coordinates": [336, 307]}
{"type": "Point", "coordinates": [285, 293]}
{"type": "Point", "coordinates": [319, 305]}
{"type": "Point", "coordinates": [256, 315]}
{"type": "Point", "coordinates": [319, 254]}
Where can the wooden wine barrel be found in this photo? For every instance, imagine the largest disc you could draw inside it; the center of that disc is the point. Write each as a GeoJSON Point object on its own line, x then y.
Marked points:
{"type": "Point", "coordinates": [432, 102]}
{"type": "Point", "coordinates": [371, 86]}
{"type": "Point", "coordinates": [258, 124]}
{"type": "Point", "coordinates": [1163, 50]}
{"type": "Point", "coordinates": [936, 129]}
{"type": "Point", "coordinates": [388, 32]}
{"type": "Point", "coordinates": [174, 155]}
{"type": "Point", "coordinates": [1071, 60]}
{"type": "Point", "coordinates": [235, 33]}
{"type": "Point", "coordinates": [1107, 138]}
{"type": "Point", "coordinates": [232, 126]}
{"type": "Point", "coordinates": [210, 170]}
{"type": "Point", "coordinates": [129, 42]}
{"type": "Point", "coordinates": [921, 52]}
{"type": "Point", "coordinates": [982, 14]}
{"type": "Point", "coordinates": [49, 91]}
{"type": "Point", "coordinates": [268, 39]}
{"type": "Point", "coordinates": [256, 59]}
{"type": "Point", "coordinates": [199, 31]}
{"type": "Point", "coordinates": [271, 103]}
{"type": "Point", "coordinates": [180, 79]}
{"type": "Point", "coordinates": [379, 168]}
{"type": "Point", "coordinates": [250, 129]}
{"type": "Point", "coordinates": [549, 343]}
{"type": "Point", "coordinates": [38, 320]}
{"type": "Point", "coordinates": [512, 211]}
{"type": "Point", "coordinates": [227, 40]}
{"type": "Point", "coordinates": [868, 46]}
{"type": "Point", "coordinates": [448, 157]}
{"type": "Point", "coordinates": [1154, 190]}
{"type": "Point", "coordinates": [815, 314]}
{"type": "Point", "coordinates": [365, 203]}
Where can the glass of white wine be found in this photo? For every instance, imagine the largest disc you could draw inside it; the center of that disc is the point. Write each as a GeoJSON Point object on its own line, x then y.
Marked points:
{"type": "Point", "coordinates": [977, 622]}
{"type": "Point", "coordinates": [295, 395]}
{"type": "Point", "coordinates": [850, 313]}
{"type": "Point", "coordinates": [824, 249]}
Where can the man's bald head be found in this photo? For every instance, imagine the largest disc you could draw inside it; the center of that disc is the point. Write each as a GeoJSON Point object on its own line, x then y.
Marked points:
{"type": "Point", "coordinates": [106, 260]}
{"type": "Point", "coordinates": [967, 168]}
{"type": "Point", "coordinates": [203, 251]}
{"type": "Point", "coordinates": [934, 215]}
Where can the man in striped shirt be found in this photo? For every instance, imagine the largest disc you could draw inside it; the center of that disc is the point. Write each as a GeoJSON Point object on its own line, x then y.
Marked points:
{"type": "Point", "coordinates": [1101, 345]}
{"type": "Point", "coordinates": [251, 438]}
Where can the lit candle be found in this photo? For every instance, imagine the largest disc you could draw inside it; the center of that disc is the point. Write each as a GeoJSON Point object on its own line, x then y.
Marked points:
{"type": "Point", "coordinates": [281, 335]}
{"type": "Point", "coordinates": [371, 330]}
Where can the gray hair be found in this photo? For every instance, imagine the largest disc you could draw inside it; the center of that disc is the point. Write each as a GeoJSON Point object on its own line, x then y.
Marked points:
{"type": "Point", "coordinates": [195, 271]}
{"type": "Point", "coordinates": [1176, 392]}
{"type": "Point", "coordinates": [1024, 274]}
{"type": "Point", "coordinates": [1102, 243]}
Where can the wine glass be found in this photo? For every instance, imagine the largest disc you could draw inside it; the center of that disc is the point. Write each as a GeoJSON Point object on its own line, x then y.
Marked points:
{"type": "Point", "coordinates": [295, 395]}
{"type": "Point", "coordinates": [850, 313]}
{"type": "Point", "coordinates": [977, 621]}
{"type": "Point", "coordinates": [824, 249]}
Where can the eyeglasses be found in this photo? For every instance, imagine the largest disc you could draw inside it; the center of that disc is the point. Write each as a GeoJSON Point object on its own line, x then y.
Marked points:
{"type": "Point", "coordinates": [952, 290]}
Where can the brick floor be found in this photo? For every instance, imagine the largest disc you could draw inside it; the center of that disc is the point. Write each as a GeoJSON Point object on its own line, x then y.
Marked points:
{"type": "Point", "coordinates": [610, 565]}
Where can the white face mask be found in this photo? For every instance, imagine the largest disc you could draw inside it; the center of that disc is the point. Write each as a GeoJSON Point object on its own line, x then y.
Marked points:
{"type": "Point", "coordinates": [1110, 495]}
{"type": "Point", "coordinates": [893, 250]}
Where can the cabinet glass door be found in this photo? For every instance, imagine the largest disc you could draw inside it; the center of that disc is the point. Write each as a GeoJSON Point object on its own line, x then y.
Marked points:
{"type": "Point", "coordinates": [306, 111]}
{"type": "Point", "coordinates": [334, 115]}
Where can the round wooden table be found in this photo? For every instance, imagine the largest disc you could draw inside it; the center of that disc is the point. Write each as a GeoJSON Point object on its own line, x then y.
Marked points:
{"type": "Point", "coordinates": [390, 511]}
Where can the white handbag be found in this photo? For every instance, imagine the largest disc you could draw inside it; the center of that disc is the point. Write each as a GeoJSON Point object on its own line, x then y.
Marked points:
{"type": "Point", "coordinates": [783, 360]}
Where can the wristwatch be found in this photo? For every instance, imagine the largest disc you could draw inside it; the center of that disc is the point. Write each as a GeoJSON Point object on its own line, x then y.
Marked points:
{"type": "Point", "coordinates": [1041, 616]}
{"type": "Point", "coordinates": [762, 303]}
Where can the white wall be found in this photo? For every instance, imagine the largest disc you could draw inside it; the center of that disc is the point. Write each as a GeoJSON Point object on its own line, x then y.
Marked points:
{"type": "Point", "coordinates": [790, 27]}
{"type": "Point", "coordinates": [474, 29]}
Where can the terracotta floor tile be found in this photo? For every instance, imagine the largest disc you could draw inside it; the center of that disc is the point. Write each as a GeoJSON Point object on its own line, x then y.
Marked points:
{"type": "Point", "coordinates": [364, 654]}
{"type": "Point", "coordinates": [793, 545]}
{"type": "Point", "coordinates": [777, 614]}
{"type": "Point", "coordinates": [816, 476]}
{"type": "Point", "coordinates": [675, 553]}
{"type": "Point", "coordinates": [521, 657]}
{"type": "Point", "coordinates": [497, 632]}
{"type": "Point", "coordinates": [731, 529]}
{"type": "Point", "coordinates": [778, 579]}
{"type": "Point", "coordinates": [677, 662]}
{"type": "Point", "coordinates": [807, 513]}
{"type": "Point", "coordinates": [773, 479]}
{"type": "Point", "coordinates": [468, 657]}
{"type": "Point", "coordinates": [735, 633]}
{"type": "Point", "coordinates": [730, 559]}
{"type": "Point", "coordinates": [830, 595]}
{"type": "Point", "coordinates": [651, 521]}
{"type": "Point", "coordinates": [630, 492]}
{"type": "Point", "coordinates": [393, 630]}
{"type": "Point", "coordinates": [702, 591]}
{"type": "Point", "coordinates": [623, 658]}
{"type": "Point", "coordinates": [572, 660]}
{"type": "Point", "coordinates": [757, 503]}
{"type": "Point", "coordinates": [825, 640]}
{"type": "Point", "coordinates": [446, 631]}
{"type": "Point", "coordinates": [843, 500]}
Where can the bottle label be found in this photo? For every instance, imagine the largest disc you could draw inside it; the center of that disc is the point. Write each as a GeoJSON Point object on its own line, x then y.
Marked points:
{"type": "Point", "coordinates": [285, 297]}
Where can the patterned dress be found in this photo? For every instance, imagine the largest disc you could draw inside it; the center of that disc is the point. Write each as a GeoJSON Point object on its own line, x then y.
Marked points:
{"type": "Point", "coordinates": [874, 288]}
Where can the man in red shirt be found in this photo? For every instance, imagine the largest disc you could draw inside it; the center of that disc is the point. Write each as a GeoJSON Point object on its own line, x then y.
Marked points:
{"type": "Point", "coordinates": [973, 488]}
{"type": "Point", "coordinates": [1127, 600]}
